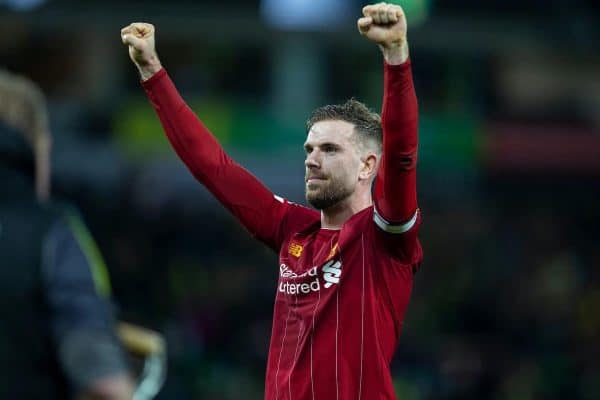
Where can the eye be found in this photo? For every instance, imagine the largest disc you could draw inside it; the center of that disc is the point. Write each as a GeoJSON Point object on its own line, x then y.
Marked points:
{"type": "Point", "coordinates": [307, 149]}
{"type": "Point", "coordinates": [328, 148]}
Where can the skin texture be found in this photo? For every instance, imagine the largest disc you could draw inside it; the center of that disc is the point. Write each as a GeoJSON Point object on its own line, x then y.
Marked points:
{"type": "Point", "coordinates": [385, 24]}
{"type": "Point", "coordinates": [339, 172]}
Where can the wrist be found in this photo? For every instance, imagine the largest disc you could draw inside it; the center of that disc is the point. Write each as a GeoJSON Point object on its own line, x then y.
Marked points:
{"type": "Point", "coordinates": [395, 53]}
{"type": "Point", "coordinates": [149, 69]}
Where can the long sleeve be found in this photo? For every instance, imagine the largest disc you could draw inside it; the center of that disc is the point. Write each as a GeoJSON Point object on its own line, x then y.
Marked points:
{"type": "Point", "coordinates": [396, 213]}
{"type": "Point", "coordinates": [396, 185]}
{"type": "Point", "coordinates": [239, 191]}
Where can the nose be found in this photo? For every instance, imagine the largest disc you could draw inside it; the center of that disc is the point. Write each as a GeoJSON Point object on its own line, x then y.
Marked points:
{"type": "Point", "coordinates": [311, 160]}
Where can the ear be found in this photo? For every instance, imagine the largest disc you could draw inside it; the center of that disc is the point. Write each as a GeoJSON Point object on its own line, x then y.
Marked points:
{"type": "Point", "coordinates": [368, 168]}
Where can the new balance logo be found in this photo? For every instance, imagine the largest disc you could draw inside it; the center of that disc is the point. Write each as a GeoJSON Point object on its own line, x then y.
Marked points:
{"type": "Point", "coordinates": [332, 270]}
{"type": "Point", "coordinates": [295, 249]}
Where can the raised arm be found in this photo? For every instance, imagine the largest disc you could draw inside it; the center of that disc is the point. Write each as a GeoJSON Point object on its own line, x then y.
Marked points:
{"type": "Point", "coordinates": [238, 190]}
{"type": "Point", "coordinates": [395, 196]}
{"type": "Point", "coordinates": [395, 187]}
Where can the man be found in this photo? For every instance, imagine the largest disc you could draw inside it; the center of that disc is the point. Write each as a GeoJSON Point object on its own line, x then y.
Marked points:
{"type": "Point", "coordinates": [346, 272]}
{"type": "Point", "coordinates": [57, 338]}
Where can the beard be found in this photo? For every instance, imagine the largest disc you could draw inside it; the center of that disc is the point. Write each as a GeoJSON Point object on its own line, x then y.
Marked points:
{"type": "Point", "coordinates": [327, 194]}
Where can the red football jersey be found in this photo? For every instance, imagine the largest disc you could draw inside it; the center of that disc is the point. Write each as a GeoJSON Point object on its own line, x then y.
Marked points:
{"type": "Point", "coordinates": [339, 307]}
{"type": "Point", "coordinates": [342, 294]}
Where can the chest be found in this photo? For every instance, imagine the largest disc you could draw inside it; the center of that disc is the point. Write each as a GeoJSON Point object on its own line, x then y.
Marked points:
{"type": "Point", "coordinates": [316, 265]}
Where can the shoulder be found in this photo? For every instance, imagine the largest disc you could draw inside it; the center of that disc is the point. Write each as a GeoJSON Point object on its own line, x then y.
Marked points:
{"type": "Point", "coordinates": [401, 244]}
{"type": "Point", "coordinates": [297, 217]}
{"type": "Point", "coordinates": [359, 225]}
{"type": "Point", "coordinates": [304, 214]}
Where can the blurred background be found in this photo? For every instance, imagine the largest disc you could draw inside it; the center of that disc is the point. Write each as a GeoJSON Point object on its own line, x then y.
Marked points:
{"type": "Point", "coordinates": [506, 303]}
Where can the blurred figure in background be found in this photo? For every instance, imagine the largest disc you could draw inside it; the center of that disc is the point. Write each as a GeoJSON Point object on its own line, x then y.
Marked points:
{"type": "Point", "coordinates": [57, 336]}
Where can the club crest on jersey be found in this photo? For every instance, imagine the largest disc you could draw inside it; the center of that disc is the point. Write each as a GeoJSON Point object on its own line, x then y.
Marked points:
{"type": "Point", "coordinates": [332, 271]}
{"type": "Point", "coordinates": [295, 249]}
{"type": "Point", "coordinates": [332, 252]}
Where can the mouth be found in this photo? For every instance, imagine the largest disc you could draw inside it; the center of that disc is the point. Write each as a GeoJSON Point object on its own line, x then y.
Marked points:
{"type": "Point", "coordinates": [315, 179]}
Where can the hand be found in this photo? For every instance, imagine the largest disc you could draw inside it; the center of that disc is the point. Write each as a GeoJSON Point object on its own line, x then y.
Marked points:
{"type": "Point", "coordinates": [385, 24]}
{"type": "Point", "coordinates": [139, 37]}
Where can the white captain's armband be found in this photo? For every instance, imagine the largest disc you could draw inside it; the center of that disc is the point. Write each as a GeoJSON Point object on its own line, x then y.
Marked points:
{"type": "Point", "coordinates": [282, 200]}
{"type": "Point", "coordinates": [279, 198]}
{"type": "Point", "coordinates": [386, 226]}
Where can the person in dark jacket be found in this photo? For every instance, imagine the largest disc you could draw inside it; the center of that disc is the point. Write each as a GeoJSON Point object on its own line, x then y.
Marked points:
{"type": "Point", "coordinates": [57, 329]}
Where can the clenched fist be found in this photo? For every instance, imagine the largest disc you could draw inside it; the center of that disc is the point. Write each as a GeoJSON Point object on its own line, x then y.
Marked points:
{"type": "Point", "coordinates": [139, 36]}
{"type": "Point", "coordinates": [385, 24]}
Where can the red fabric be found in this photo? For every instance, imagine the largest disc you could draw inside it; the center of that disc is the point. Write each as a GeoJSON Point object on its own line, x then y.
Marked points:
{"type": "Point", "coordinates": [342, 294]}
{"type": "Point", "coordinates": [396, 184]}
{"type": "Point", "coordinates": [238, 190]}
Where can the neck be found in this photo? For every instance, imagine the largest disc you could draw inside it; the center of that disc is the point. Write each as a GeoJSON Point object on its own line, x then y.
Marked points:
{"type": "Point", "coordinates": [335, 216]}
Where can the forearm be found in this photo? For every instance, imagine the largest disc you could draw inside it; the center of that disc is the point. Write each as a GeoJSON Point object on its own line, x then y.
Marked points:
{"type": "Point", "coordinates": [150, 68]}
{"type": "Point", "coordinates": [238, 190]}
{"type": "Point", "coordinates": [395, 190]}
{"type": "Point", "coordinates": [192, 141]}
{"type": "Point", "coordinates": [395, 53]}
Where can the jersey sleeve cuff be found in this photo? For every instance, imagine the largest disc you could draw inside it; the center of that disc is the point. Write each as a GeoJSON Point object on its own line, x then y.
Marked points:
{"type": "Point", "coordinates": [388, 227]}
{"type": "Point", "coordinates": [148, 83]}
{"type": "Point", "coordinates": [397, 67]}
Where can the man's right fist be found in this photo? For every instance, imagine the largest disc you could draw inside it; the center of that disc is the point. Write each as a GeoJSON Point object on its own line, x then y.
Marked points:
{"type": "Point", "coordinates": [385, 24]}
{"type": "Point", "coordinates": [139, 37]}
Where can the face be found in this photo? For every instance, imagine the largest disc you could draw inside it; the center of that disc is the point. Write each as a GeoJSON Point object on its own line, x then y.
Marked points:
{"type": "Point", "coordinates": [332, 163]}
